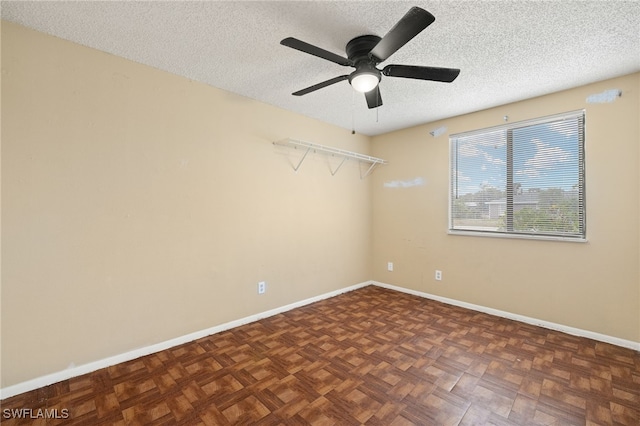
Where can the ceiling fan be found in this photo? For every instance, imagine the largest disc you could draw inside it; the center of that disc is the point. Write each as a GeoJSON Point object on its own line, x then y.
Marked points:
{"type": "Point", "coordinates": [367, 51]}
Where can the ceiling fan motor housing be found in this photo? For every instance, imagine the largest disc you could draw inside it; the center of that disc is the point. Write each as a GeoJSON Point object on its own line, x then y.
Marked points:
{"type": "Point", "coordinates": [358, 48]}
{"type": "Point", "coordinates": [358, 52]}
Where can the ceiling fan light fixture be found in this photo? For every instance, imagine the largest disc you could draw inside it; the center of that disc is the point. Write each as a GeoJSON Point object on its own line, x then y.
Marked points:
{"type": "Point", "coordinates": [365, 52]}
{"type": "Point", "coordinates": [364, 81]}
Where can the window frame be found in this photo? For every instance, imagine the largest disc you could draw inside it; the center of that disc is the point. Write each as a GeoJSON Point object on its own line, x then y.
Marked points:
{"type": "Point", "coordinates": [506, 128]}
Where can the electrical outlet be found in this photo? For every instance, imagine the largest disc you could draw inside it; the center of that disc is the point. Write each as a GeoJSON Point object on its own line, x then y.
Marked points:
{"type": "Point", "coordinates": [390, 266]}
{"type": "Point", "coordinates": [262, 287]}
{"type": "Point", "coordinates": [438, 275]}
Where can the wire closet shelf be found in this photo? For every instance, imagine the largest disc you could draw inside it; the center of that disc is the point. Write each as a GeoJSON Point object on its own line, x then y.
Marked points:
{"type": "Point", "coordinates": [308, 147]}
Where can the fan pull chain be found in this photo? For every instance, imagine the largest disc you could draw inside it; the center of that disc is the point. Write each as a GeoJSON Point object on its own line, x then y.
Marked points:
{"type": "Point", "coordinates": [378, 97]}
{"type": "Point", "coordinates": [353, 113]}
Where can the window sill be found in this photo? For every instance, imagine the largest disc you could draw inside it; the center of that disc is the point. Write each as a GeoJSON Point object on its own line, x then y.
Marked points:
{"type": "Point", "coordinates": [516, 236]}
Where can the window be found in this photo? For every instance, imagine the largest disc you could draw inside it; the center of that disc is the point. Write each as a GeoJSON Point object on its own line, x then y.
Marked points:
{"type": "Point", "coordinates": [520, 179]}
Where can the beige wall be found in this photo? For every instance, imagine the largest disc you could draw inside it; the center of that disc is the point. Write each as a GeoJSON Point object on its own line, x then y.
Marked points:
{"type": "Point", "coordinates": [593, 286]}
{"type": "Point", "coordinates": [140, 206]}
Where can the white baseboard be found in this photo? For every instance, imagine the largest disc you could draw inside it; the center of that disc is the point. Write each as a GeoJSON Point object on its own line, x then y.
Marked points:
{"type": "Point", "coordinates": [59, 376]}
{"type": "Point", "coordinates": [52, 378]}
{"type": "Point", "coordinates": [528, 320]}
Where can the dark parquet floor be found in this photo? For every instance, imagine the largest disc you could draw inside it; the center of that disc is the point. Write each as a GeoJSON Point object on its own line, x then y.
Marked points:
{"type": "Point", "coordinates": [371, 356]}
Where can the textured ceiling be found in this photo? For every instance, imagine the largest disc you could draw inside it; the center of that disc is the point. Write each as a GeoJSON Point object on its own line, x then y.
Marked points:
{"type": "Point", "coordinates": [507, 50]}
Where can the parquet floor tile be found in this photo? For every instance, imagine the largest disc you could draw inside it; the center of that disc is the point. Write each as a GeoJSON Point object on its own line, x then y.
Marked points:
{"type": "Point", "coordinates": [368, 357]}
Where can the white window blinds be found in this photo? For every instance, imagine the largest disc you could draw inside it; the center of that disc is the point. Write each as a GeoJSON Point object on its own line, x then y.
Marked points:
{"type": "Point", "coordinates": [522, 179]}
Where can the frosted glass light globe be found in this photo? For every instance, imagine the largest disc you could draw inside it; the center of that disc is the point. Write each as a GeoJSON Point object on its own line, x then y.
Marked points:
{"type": "Point", "coordinates": [364, 82]}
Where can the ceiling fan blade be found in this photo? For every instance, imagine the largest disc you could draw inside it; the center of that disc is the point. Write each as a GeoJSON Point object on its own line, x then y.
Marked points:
{"type": "Point", "coordinates": [374, 100]}
{"type": "Point", "coordinates": [445, 75]}
{"type": "Point", "coordinates": [411, 24]}
{"type": "Point", "coordinates": [302, 46]}
{"type": "Point", "coordinates": [320, 85]}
